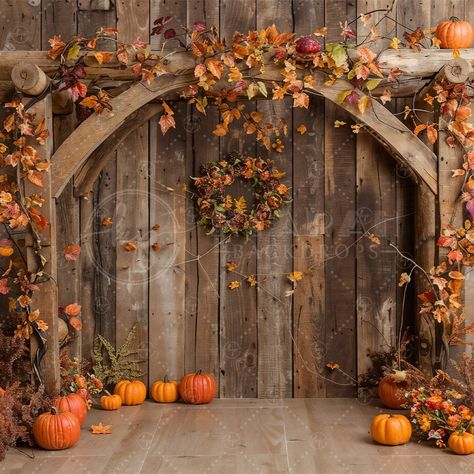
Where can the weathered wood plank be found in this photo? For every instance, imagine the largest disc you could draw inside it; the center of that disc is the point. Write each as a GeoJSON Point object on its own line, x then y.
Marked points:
{"type": "Point", "coordinates": [238, 308]}
{"type": "Point", "coordinates": [86, 5]}
{"type": "Point", "coordinates": [376, 202]}
{"type": "Point", "coordinates": [132, 211]}
{"type": "Point", "coordinates": [340, 230]}
{"type": "Point", "coordinates": [59, 17]}
{"type": "Point", "coordinates": [308, 224]}
{"type": "Point", "coordinates": [201, 346]}
{"type": "Point", "coordinates": [46, 300]}
{"type": "Point", "coordinates": [21, 26]}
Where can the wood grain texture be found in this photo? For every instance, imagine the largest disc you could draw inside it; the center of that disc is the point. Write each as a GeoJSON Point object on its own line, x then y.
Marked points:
{"type": "Point", "coordinates": [376, 203]}
{"type": "Point", "coordinates": [238, 309]}
{"type": "Point", "coordinates": [340, 207]}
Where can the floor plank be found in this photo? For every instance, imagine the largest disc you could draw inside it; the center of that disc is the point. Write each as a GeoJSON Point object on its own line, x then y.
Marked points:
{"type": "Point", "coordinates": [235, 436]}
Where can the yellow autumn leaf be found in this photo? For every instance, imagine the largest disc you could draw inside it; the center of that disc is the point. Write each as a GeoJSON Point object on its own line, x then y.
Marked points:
{"type": "Point", "coordinates": [456, 53]}
{"type": "Point", "coordinates": [295, 276]}
{"type": "Point", "coordinates": [436, 42]}
{"type": "Point", "coordinates": [107, 221]}
{"type": "Point", "coordinates": [363, 103]}
{"type": "Point", "coordinates": [456, 275]}
{"type": "Point", "coordinates": [356, 128]}
{"type": "Point", "coordinates": [394, 43]}
{"type": "Point", "coordinates": [252, 280]}
{"type": "Point", "coordinates": [339, 123]}
{"type": "Point", "coordinates": [404, 278]}
{"type": "Point", "coordinates": [240, 204]}
{"type": "Point", "coordinates": [233, 285]}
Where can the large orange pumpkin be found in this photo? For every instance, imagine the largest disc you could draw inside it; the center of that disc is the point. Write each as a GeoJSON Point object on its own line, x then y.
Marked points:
{"type": "Point", "coordinates": [461, 443]}
{"type": "Point", "coordinates": [198, 388]}
{"type": "Point", "coordinates": [56, 430]}
{"type": "Point", "coordinates": [131, 393]}
{"type": "Point", "coordinates": [73, 403]}
{"type": "Point", "coordinates": [391, 430]}
{"type": "Point", "coordinates": [391, 392]}
{"type": "Point", "coordinates": [165, 391]}
{"type": "Point", "coordinates": [454, 33]}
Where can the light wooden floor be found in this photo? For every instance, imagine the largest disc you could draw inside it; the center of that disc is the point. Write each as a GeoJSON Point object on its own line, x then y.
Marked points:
{"type": "Point", "coordinates": [301, 436]}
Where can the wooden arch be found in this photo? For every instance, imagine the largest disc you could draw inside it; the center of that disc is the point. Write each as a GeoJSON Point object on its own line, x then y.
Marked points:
{"type": "Point", "coordinates": [86, 142]}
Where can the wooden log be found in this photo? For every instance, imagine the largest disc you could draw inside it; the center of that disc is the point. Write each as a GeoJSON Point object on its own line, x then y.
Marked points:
{"type": "Point", "coordinates": [29, 79]}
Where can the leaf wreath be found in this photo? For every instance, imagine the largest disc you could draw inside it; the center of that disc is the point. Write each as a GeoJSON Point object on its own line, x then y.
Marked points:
{"type": "Point", "coordinates": [220, 211]}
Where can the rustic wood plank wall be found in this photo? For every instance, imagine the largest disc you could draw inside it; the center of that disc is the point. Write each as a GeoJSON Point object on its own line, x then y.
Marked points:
{"type": "Point", "coordinates": [342, 184]}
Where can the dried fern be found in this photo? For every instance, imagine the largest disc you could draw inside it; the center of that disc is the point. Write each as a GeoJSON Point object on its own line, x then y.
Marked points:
{"type": "Point", "coordinates": [111, 364]}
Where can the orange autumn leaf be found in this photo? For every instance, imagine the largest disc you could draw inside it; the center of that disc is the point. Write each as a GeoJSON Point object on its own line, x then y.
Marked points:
{"type": "Point", "coordinates": [234, 285]}
{"type": "Point", "coordinates": [419, 128]}
{"type": "Point", "coordinates": [101, 429]}
{"type": "Point", "coordinates": [231, 266]}
{"type": "Point", "coordinates": [104, 57]}
{"type": "Point", "coordinates": [72, 309]}
{"type": "Point", "coordinates": [295, 276]}
{"type": "Point", "coordinates": [301, 129]}
{"type": "Point", "coordinates": [220, 130]}
{"type": "Point", "coordinates": [130, 246]}
{"type": "Point", "coordinates": [215, 67]}
{"type": "Point", "coordinates": [156, 227]}
{"type": "Point", "coordinates": [332, 365]}
{"type": "Point", "coordinates": [71, 252]}
{"type": "Point", "coordinates": [56, 47]}
{"type": "Point", "coordinates": [431, 133]}
{"type": "Point", "coordinates": [252, 280]}
{"type": "Point", "coordinates": [75, 323]}
{"type": "Point", "coordinates": [107, 221]}
{"type": "Point", "coordinates": [35, 178]}
{"type": "Point", "coordinates": [300, 100]}
{"type": "Point", "coordinates": [156, 246]}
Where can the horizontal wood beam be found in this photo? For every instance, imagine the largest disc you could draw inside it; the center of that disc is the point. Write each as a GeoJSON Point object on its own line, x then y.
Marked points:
{"type": "Point", "coordinates": [417, 158]}
{"type": "Point", "coordinates": [424, 63]}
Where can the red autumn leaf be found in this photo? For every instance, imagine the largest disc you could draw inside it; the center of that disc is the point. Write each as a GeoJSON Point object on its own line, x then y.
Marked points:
{"type": "Point", "coordinates": [4, 288]}
{"type": "Point", "coordinates": [75, 323]}
{"type": "Point", "coordinates": [71, 252]}
{"type": "Point", "coordinates": [447, 242]}
{"type": "Point", "coordinates": [427, 297]}
{"type": "Point", "coordinates": [455, 256]}
{"type": "Point", "coordinates": [72, 310]}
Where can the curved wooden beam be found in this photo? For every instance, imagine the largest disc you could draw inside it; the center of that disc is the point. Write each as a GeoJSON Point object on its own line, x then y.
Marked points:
{"type": "Point", "coordinates": [86, 176]}
{"type": "Point", "coordinates": [79, 146]}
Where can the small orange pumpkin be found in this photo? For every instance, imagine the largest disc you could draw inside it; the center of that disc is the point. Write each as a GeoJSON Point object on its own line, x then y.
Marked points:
{"type": "Point", "coordinates": [73, 403]}
{"type": "Point", "coordinates": [461, 443]}
{"type": "Point", "coordinates": [391, 430]}
{"type": "Point", "coordinates": [56, 430]}
{"type": "Point", "coordinates": [454, 33]}
{"type": "Point", "coordinates": [391, 390]}
{"type": "Point", "coordinates": [131, 393]}
{"type": "Point", "coordinates": [110, 402]}
{"type": "Point", "coordinates": [165, 391]}
{"type": "Point", "coordinates": [198, 388]}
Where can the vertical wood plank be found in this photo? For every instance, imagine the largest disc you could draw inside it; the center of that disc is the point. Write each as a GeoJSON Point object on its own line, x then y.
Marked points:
{"type": "Point", "coordinates": [132, 212]}
{"type": "Point", "coordinates": [59, 17]}
{"type": "Point", "coordinates": [309, 323]}
{"type": "Point", "coordinates": [340, 226]}
{"type": "Point", "coordinates": [238, 308]}
{"type": "Point", "coordinates": [21, 26]}
{"type": "Point", "coordinates": [201, 345]}
{"type": "Point", "coordinates": [376, 202]}
{"type": "Point", "coordinates": [97, 276]}
{"type": "Point", "coordinates": [46, 300]}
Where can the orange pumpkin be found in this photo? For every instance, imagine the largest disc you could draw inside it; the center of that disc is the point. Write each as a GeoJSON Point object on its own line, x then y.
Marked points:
{"type": "Point", "coordinates": [454, 33]}
{"type": "Point", "coordinates": [131, 393]}
{"type": "Point", "coordinates": [56, 430]}
{"type": "Point", "coordinates": [165, 391]}
{"type": "Point", "coordinates": [391, 392]}
{"type": "Point", "coordinates": [73, 403]}
{"type": "Point", "coordinates": [461, 443]}
{"type": "Point", "coordinates": [391, 430]}
{"type": "Point", "coordinates": [198, 388]}
{"type": "Point", "coordinates": [110, 402]}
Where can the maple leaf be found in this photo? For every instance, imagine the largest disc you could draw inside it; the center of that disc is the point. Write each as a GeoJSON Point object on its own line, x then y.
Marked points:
{"type": "Point", "coordinates": [363, 103]}
{"type": "Point", "coordinates": [41, 325]}
{"type": "Point", "coordinates": [130, 247]}
{"type": "Point", "coordinates": [356, 128]}
{"type": "Point", "coordinates": [295, 276]}
{"type": "Point", "coordinates": [393, 74]}
{"type": "Point", "coordinates": [220, 130]}
{"type": "Point", "coordinates": [373, 238]}
{"type": "Point", "coordinates": [300, 100]}
{"type": "Point", "coordinates": [56, 47]}
{"type": "Point", "coordinates": [71, 252]}
{"type": "Point", "coordinates": [231, 266]}
{"type": "Point", "coordinates": [72, 310]}
{"type": "Point", "coordinates": [104, 57]}
{"type": "Point", "coordinates": [339, 123]}
{"type": "Point", "coordinates": [347, 32]}
{"type": "Point", "coordinates": [414, 38]}
{"type": "Point", "coordinates": [333, 365]}
{"type": "Point", "coordinates": [156, 246]}
{"type": "Point", "coordinates": [101, 429]}
{"type": "Point", "coordinates": [233, 285]}
{"type": "Point", "coordinates": [323, 31]}
{"type": "Point", "coordinates": [107, 221]}
{"type": "Point", "coordinates": [301, 129]}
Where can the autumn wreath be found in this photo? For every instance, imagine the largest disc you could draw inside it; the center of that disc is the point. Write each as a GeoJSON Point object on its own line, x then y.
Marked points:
{"type": "Point", "coordinates": [218, 210]}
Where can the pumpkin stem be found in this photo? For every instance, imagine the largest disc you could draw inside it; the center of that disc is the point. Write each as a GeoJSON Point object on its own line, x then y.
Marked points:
{"type": "Point", "coordinates": [165, 379]}
{"type": "Point", "coordinates": [454, 18]}
{"type": "Point", "coordinates": [199, 372]}
{"type": "Point", "coordinates": [54, 411]}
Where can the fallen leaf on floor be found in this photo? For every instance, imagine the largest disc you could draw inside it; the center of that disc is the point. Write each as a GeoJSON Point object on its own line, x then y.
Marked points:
{"type": "Point", "coordinates": [101, 429]}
